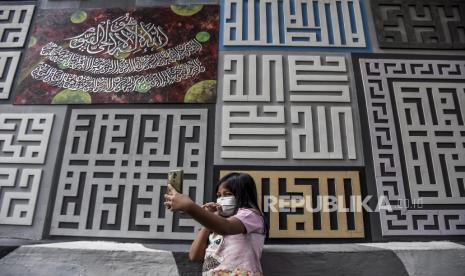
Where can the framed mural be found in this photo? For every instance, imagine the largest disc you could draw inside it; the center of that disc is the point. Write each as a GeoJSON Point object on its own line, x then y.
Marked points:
{"type": "Point", "coordinates": [136, 55]}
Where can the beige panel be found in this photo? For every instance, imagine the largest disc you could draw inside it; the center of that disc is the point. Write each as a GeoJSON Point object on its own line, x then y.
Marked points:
{"type": "Point", "coordinates": [306, 218]}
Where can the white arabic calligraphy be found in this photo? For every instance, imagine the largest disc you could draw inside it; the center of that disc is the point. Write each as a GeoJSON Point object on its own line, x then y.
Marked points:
{"type": "Point", "coordinates": [119, 36]}
{"type": "Point", "coordinates": [93, 65]}
{"type": "Point", "coordinates": [59, 78]}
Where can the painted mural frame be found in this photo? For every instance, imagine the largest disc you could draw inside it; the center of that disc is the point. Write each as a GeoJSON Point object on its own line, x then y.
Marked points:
{"type": "Point", "coordinates": [133, 55]}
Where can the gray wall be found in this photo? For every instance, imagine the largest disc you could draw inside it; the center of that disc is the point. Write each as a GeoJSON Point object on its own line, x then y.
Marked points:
{"type": "Point", "coordinates": [373, 90]}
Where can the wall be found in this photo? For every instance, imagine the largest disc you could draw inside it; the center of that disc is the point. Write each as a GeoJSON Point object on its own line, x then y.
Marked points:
{"type": "Point", "coordinates": [326, 97]}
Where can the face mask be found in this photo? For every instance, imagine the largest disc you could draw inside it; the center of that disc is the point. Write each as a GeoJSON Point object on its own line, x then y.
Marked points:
{"type": "Point", "coordinates": [228, 205]}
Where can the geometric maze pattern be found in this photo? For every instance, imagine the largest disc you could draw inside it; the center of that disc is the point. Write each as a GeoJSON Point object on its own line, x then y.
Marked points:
{"type": "Point", "coordinates": [427, 24]}
{"type": "Point", "coordinates": [18, 194]}
{"type": "Point", "coordinates": [294, 23]}
{"type": "Point", "coordinates": [433, 135]}
{"type": "Point", "coordinates": [8, 64]}
{"type": "Point", "coordinates": [416, 113]}
{"type": "Point", "coordinates": [14, 25]}
{"type": "Point", "coordinates": [24, 137]}
{"type": "Point", "coordinates": [23, 141]}
{"type": "Point", "coordinates": [289, 186]}
{"type": "Point", "coordinates": [114, 172]}
{"type": "Point", "coordinates": [277, 107]}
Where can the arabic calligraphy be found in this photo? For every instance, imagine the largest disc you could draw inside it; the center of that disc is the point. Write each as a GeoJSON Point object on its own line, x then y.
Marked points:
{"type": "Point", "coordinates": [59, 55]}
{"type": "Point", "coordinates": [121, 35]}
{"type": "Point", "coordinates": [59, 78]}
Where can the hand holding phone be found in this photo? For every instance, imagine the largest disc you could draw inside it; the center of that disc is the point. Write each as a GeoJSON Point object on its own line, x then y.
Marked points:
{"type": "Point", "coordinates": [176, 178]}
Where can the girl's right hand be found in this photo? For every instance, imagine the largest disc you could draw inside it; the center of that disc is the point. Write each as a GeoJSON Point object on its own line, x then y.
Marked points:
{"type": "Point", "coordinates": [176, 201]}
{"type": "Point", "coordinates": [211, 207]}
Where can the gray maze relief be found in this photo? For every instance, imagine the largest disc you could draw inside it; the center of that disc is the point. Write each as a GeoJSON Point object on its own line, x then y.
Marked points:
{"type": "Point", "coordinates": [114, 172]}
{"type": "Point", "coordinates": [24, 140]}
{"type": "Point", "coordinates": [26, 167]}
{"type": "Point", "coordinates": [294, 23]}
{"type": "Point", "coordinates": [31, 128]}
{"type": "Point", "coordinates": [8, 64]}
{"type": "Point", "coordinates": [294, 108]}
{"type": "Point", "coordinates": [425, 24]}
{"type": "Point", "coordinates": [416, 111]}
{"type": "Point", "coordinates": [14, 25]}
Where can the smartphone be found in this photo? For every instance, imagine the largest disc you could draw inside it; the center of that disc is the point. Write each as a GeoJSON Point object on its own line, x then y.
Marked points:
{"type": "Point", "coordinates": [175, 178]}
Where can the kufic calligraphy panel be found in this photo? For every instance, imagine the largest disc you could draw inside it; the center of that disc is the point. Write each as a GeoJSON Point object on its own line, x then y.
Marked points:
{"type": "Point", "coordinates": [26, 139]}
{"type": "Point", "coordinates": [18, 194]}
{"type": "Point", "coordinates": [433, 132]}
{"type": "Point", "coordinates": [425, 24]}
{"type": "Point", "coordinates": [26, 167]}
{"type": "Point", "coordinates": [302, 222]}
{"type": "Point", "coordinates": [8, 64]}
{"type": "Point", "coordinates": [114, 172]}
{"type": "Point", "coordinates": [415, 114]}
{"type": "Point", "coordinates": [14, 25]}
{"type": "Point", "coordinates": [294, 23]}
{"type": "Point", "coordinates": [294, 108]}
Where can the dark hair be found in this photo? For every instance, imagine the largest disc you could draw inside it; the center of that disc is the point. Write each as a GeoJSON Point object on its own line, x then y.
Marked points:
{"type": "Point", "coordinates": [243, 187]}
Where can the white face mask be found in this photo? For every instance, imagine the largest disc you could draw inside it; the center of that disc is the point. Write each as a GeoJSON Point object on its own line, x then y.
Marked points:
{"type": "Point", "coordinates": [228, 205]}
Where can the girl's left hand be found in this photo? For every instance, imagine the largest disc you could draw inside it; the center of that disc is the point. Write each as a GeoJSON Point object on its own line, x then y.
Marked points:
{"type": "Point", "coordinates": [176, 201]}
{"type": "Point", "coordinates": [212, 207]}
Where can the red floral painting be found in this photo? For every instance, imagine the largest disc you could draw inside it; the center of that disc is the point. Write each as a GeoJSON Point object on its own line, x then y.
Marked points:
{"type": "Point", "coordinates": [138, 55]}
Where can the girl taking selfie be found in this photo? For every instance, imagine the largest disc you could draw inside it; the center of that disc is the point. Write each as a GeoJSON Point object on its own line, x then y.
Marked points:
{"type": "Point", "coordinates": [233, 233]}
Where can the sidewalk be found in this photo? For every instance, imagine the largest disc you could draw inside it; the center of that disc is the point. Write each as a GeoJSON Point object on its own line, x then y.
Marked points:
{"type": "Point", "coordinates": [112, 258]}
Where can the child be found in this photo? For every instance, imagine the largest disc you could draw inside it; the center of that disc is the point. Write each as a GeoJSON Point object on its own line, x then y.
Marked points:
{"type": "Point", "coordinates": [231, 241]}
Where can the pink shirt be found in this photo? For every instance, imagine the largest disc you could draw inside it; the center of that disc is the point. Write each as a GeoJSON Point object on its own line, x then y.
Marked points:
{"type": "Point", "coordinates": [237, 254]}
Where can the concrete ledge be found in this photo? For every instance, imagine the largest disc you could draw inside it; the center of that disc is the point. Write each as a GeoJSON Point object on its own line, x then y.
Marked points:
{"type": "Point", "coordinates": [111, 258]}
{"type": "Point", "coordinates": [88, 258]}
